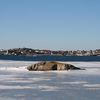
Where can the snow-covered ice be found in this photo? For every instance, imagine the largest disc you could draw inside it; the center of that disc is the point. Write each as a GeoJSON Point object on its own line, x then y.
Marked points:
{"type": "Point", "coordinates": [17, 83]}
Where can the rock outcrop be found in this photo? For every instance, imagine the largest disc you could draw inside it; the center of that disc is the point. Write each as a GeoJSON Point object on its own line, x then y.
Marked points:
{"type": "Point", "coordinates": [51, 65]}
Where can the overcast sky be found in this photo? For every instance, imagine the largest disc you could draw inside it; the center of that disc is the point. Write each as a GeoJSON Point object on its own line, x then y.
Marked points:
{"type": "Point", "coordinates": [50, 24]}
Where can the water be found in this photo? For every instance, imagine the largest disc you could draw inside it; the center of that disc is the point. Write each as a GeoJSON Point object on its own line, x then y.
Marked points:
{"type": "Point", "coordinates": [16, 83]}
{"type": "Point", "coordinates": [49, 58]}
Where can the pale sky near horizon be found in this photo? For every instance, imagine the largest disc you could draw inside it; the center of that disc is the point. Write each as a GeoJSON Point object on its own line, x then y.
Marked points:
{"type": "Point", "coordinates": [50, 24]}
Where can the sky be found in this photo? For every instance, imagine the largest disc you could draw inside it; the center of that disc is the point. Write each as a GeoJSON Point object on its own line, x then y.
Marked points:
{"type": "Point", "coordinates": [50, 24]}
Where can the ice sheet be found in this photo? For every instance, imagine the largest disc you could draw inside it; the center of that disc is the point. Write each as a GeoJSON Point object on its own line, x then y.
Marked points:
{"type": "Point", "coordinates": [17, 83]}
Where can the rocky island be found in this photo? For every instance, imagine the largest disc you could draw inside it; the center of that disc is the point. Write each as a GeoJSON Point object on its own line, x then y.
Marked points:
{"type": "Point", "coordinates": [51, 65]}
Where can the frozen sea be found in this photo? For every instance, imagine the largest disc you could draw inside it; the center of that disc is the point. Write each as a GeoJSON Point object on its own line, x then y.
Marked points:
{"type": "Point", "coordinates": [17, 83]}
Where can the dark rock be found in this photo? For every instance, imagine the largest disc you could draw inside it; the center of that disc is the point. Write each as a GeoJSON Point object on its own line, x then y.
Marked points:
{"type": "Point", "coordinates": [51, 65]}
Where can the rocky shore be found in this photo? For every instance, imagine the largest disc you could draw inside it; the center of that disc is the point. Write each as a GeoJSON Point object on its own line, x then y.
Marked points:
{"type": "Point", "coordinates": [51, 65]}
{"type": "Point", "coordinates": [32, 52]}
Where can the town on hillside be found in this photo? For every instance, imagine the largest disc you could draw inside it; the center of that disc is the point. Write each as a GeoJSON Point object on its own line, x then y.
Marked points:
{"type": "Point", "coordinates": [36, 52]}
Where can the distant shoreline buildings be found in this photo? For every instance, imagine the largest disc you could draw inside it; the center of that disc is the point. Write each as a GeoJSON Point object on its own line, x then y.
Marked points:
{"type": "Point", "coordinates": [36, 52]}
